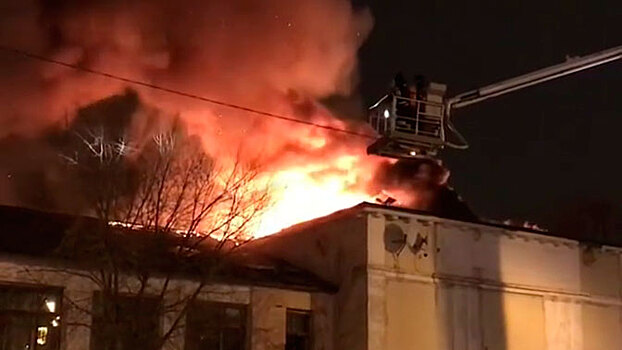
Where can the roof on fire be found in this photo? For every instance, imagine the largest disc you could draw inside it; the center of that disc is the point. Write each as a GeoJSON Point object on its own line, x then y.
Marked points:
{"type": "Point", "coordinates": [365, 206]}
{"type": "Point", "coordinates": [38, 236]}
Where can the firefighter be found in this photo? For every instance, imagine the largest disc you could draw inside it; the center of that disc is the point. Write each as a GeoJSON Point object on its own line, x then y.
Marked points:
{"type": "Point", "coordinates": [400, 85]}
{"type": "Point", "coordinates": [401, 90]}
{"type": "Point", "coordinates": [420, 87]}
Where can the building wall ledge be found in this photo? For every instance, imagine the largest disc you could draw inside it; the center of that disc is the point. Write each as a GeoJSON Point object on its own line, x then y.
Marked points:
{"type": "Point", "coordinates": [479, 283]}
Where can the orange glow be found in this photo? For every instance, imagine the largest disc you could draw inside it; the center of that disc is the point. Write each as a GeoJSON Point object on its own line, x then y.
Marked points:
{"type": "Point", "coordinates": [300, 196]}
{"type": "Point", "coordinates": [310, 172]}
{"type": "Point", "coordinates": [279, 57]}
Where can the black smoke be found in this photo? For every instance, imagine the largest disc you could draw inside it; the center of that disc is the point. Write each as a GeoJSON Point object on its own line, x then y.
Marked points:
{"type": "Point", "coordinates": [422, 184]}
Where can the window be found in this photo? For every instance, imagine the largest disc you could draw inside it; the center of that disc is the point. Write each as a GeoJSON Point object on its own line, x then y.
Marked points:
{"type": "Point", "coordinates": [298, 336]}
{"type": "Point", "coordinates": [30, 317]}
{"type": "Point", "coordinates": [216, 326]}
{"type": "Point", "coordinates": [125, 322]}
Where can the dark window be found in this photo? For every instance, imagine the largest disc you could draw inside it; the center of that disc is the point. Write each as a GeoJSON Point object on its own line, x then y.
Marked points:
{"type": "Point", "coordinates": [216, 326]}
{"type": "Point", "coordinates": [30, 317]}
{"type": "Point", "coordinates": [125, 323]}
{"type": "Point", "coordinates": [298, 336]}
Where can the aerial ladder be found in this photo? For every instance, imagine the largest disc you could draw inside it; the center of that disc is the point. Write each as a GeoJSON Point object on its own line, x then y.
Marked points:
{"type": "Point", "coordinates": [415, 124]}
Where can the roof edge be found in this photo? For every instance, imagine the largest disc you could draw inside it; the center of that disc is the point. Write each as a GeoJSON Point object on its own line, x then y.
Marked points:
{"type": "Point", "coordinates": [372, 207]}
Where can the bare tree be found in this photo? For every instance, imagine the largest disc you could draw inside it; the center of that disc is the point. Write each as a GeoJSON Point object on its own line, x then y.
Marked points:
{"type": "Point", "coordinates": [164, 211]}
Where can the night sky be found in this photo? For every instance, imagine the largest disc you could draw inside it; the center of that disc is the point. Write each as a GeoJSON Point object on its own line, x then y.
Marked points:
{"type": "Point", "coordinates": [548, 154]}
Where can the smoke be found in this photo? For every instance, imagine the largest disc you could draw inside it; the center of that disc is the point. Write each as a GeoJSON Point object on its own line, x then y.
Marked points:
{"type": "Point", "coordinates": [421, 184]}
{"type": "Point", "coordinates": [416, 180]}
{"type": "Point", "coordinates": [280, 56]}
{"type": "Point", "coordinates": [249, 52]}
{"type": "Point", "coordinates": [37, 171]}
{"type": "Point", "coordinates": [275, 55]}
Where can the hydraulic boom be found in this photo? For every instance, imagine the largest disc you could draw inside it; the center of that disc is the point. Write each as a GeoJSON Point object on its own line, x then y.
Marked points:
{"type": "Point", "coordinates": [413, 123]}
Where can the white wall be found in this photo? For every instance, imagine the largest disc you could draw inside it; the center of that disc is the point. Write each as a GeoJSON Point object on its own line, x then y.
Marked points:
{"type": "Point", "coordinates": [267, 306]}
{"type": "Point", "coordinates": [471, 287]}
{"type": "Point", "coordinates": [482, 287]}
{"type": "Point", "coordinates": [333, 248]}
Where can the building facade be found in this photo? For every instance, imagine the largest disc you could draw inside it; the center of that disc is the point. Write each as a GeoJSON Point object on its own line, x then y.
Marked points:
{"type": "Point", "coordinates": [41, 308]}
{"type": "Point", "coordinates": [50, 303]}
{"type": "Point", "coordinates": [412, 281]}
{"type": "Point", "coordinates": [403, 281]}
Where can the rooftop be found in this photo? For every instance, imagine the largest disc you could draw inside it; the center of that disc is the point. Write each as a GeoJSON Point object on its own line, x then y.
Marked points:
{"type": "Point", "coordinates": [395, 210]}
{"type": "Point", "coordinates": [41, 235]}
{"type": "Point", "coordinates": [44, 237]}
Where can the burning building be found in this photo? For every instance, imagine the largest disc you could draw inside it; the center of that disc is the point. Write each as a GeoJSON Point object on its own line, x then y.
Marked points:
{"type": "Point", "coordinates": [409, 280]}
{"type": "Point", "coordinates": [368, 277]}
{"type": "Point", "coordinates": [276, 57]}
{"type": "Point", "coordinates": [48, 301]}
{"type": "Point", "coordinates": [420, 271]}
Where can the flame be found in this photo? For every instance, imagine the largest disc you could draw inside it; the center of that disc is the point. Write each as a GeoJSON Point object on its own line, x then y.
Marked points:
{"type": "Point", "coordinates": [279, 57]}
{"type": "Point", "coordinates": [310, 172]}
{"type": "Point", "coordinates": [300, 196]}
{"type": "Point", "coordinates": [309, 186]}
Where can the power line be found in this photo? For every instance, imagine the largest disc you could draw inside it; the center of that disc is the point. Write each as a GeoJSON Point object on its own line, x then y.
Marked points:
{"type": "Point", "coordinates": [177, 92]}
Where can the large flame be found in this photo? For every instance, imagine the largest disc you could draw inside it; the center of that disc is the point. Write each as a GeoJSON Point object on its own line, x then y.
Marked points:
{"type": "Point", "coordinates": [275, 55]}
{"type": "Point", "coordinates": [311, 172]}
{"type": "Point", "coordinates": [301, 196]}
